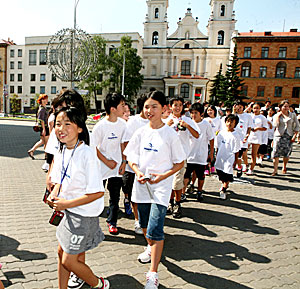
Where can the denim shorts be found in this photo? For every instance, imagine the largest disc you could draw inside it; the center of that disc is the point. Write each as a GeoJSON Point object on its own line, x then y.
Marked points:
{"type": "Point", "coordinates": [152, 217]}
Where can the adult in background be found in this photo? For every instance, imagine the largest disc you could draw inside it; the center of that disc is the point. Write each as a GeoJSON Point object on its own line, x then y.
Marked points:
{"type": "Point", "coordinates": [42, 118]}
{"type": "Point", "coordinates": [286, 130]}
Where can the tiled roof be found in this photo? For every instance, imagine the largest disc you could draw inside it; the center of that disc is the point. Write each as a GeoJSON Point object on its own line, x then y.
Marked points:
{"type": "Point", "coordinates": [271, 34]}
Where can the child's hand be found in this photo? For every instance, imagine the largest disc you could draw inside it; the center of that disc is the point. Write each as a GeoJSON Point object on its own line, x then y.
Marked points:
{"type": "Point", "coordinates": [156, 178]}
{"type": "Point", "coordinates": [170, 122]}
{"type": "Point", "coordinates": [111, 164]}
{"type": "Point", "coordinates": [122, 169]}
{"type": "Point", "coordinates": [60, 204]}
{"type": "Point", "coordinates": [141, 178]}
{"type": "Point", "coordinates": [183, 123]}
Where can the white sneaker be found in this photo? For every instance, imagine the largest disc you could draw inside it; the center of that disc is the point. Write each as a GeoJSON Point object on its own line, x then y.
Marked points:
{"type": "Point", "coordinates": [152, 280]}
{"type": "Point", "coordinates": [137, 228]}
{"type": "Point", "coordinates": [249, 173]}
{"type": "Point", "coordinates": [145, 257]}
{"type": "Point", "coordinates": [222, 195]}
{"type": "Point", "coordinates": [75, 282]}
{"type": "Point", "coordinates": [258, 161]}
{"type": "Point", "coordinates": [45, 166]}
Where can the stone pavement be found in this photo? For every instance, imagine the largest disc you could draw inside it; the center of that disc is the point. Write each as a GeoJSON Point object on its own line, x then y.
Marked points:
{"type": "Point", "coordinates": [249, 241]}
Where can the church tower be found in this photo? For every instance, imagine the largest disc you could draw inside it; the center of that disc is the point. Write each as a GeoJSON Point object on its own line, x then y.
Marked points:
{"type": "Point", "coordinates": [221, 23]}
{"type": "Point", "coordinates": [156, 25]}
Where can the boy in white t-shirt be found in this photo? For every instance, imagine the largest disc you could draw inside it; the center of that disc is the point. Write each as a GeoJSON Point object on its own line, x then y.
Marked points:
{"type": "Point", "coordinates": [228, 146]}
{"type": "Point", "coordinates": [197, 159]}
{"type": "Point", "coordinates": [185, 128]}
{"type": "Point", "coordinates": [107, 137]}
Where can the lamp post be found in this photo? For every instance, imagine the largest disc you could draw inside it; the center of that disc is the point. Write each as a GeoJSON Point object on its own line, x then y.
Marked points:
{"type": "Point", "coordinates": [123, 76]}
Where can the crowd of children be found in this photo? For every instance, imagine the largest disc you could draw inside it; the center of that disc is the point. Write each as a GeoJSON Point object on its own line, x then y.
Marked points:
{"type": "Point", "coordinates": [154, 157]}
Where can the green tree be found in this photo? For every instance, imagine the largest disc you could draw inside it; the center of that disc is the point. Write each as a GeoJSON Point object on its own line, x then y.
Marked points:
{"type": "Point", "coordinates": [15, 104]}
{"type": "Point", "coordinates": [98, 77]}
{"type": "Point", "coordinates": [218, 92]}
{"type": "Point", "coordinates": [133, 65]}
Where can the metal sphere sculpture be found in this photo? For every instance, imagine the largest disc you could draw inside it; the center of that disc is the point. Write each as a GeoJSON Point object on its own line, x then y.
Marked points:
{"type": "Point", "coordinates": [71, 53]}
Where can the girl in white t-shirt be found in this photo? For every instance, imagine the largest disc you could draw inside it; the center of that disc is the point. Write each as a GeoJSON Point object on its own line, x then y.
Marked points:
{"type": "Point", "coordinates": [260, 125]}
{"type": "Point", "coordinates": [154, 153]}
{"type": "Point", "coordinates": [78, 191]}
{"type": "Point", "coordinates": [210, 115]}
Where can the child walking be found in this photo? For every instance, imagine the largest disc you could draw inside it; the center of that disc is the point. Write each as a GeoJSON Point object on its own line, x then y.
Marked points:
{"type": "Point", "coordinates": [78, 191]}
{"type": "Point", "coordinates": [228, 146]}
{"type": "Point", "coordinates": [154, 153]}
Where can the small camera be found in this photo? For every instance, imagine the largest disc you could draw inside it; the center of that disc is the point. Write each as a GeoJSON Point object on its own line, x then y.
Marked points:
{"type": "Point", "coordinates": [180, 127]}
{"type": "Point", "coordinates": [146, 178]}
{"type": "Point", "coordinates": [46, 195]}
{"type": "Point", "coordinates": [56, 218]}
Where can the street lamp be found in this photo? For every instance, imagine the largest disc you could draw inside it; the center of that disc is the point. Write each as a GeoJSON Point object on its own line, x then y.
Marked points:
{"type": "Point", "coordinates": [123, 76]}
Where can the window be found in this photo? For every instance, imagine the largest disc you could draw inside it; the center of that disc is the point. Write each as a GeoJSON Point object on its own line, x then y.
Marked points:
{"type": "Point", "coordinates": [32, 77]}
{"type": "Point", "coordinates": [53, 89]}
{"type": "Point", "coordinates": [278, 91]}
{"type": "Point", "coordinates": [12, 53]}
{"type": "Point", "coordinates": [244, 90]}
{"type": "Point", "coordinates": [100, 77]}
{"type": "Point", "coordinates": [298, 53]}
{"type": "Point", "coordinates": [246, 69]}
{"type": "Point", "coordinates": [42, 89]}
{"type": "Point", "coordinates": [153, 70]}
{"type": "Point", "coordinates": [171, 91]}
{"type": "Point", "coordinates": [19, 52]}
{"type": "Point", "coordinates": [20, 89]}
{"type": "Point", "coordinates": [19, 77]}
{"type": "Point", "coordinates": [280, 70]}
{"type": "Point", "coordinates": [186, 46]}
{"type": "Point", "coordinates": [263, 71]}
{"type": "Point", "coordinates": [32, 89]}
{"type": "Point", "coordinates": [53, 56]}
{"type": "Point", "coordinates": [53, 77]}
{"type": "Point", "coordinates": [12, 89]}
{"type": "Point", "coordinates": [187, 35]}
{"type": "Point", "coordinates": [260, 91]}
{"type": "Point", "coordinates": [222, 10]}
{"type": "Point", "coordinates": [155, 38]}
{"type": "Point", "coordinates": [42, 77]}
{"type": "Point", "coordinates": [297, 72]}
{"type": "Point", "coordinates": [43, 57]}
{"type": "Point", "coordinates": [99, 91]}
{"type": "Point", "coordinates": [186, 67]}
{"type": "Point", "coordinates": [247, 52]}
{"type": "Point", "coordinates": [156, 13]}
{"type": "Point", "coordinates": [12, 77]}
{"type": "Point", "coordinates": [282, 52]}
{"type": "Point", "coordinates": [32, 57]}
{"type": "Point", "coordinates": [264, 52]}
{"type": "Point", "coordinates": [19, 64]}
{"type": "Point", "coordinates": [296, 92]}
{"type": "Point", "coordinates": [185, 90]}
{"type": "Point", "coordinates": [12, 65]}
{"type": "Point", "coordinates": [220, 37]}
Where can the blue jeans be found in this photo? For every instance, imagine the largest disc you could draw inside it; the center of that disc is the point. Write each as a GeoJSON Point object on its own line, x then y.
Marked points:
{"type": "Point", "coordinates": [152, 217]}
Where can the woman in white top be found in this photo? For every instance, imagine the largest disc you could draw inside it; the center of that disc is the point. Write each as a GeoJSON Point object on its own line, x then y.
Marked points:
{"type": "Point", "coordinates": [256, 136]}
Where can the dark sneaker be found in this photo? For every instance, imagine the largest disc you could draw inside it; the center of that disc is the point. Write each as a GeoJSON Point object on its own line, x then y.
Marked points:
{"type": "Point", "coordinates": [74, 282]}
{"type": "Point", "coordinates": [177, 211]}
{"type": "Point", "coordinates": [105, 284]}
{"type": "Point", "coordinates": [183, 197]}
{"type": "Point", "coordinates": [127, 206]}
{"type": "Point", "coordinates": [239, 172]}
{"type": "Point", "coordinates": [190, 189]}
{"type": "Point", "coordinates": [170, 209]}
{"type": "Point", "coordinates": [199, 196]}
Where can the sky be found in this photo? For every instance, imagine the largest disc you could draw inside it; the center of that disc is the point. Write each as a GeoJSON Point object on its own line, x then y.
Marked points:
{"type": "Point", "coordinates": [21, 18]}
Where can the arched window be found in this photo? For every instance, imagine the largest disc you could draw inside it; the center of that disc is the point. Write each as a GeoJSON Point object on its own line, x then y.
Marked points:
{"type": "Point", "coordinates": [156, 13]}
{"type": "Point", "coordinates": [185, 67]}
{"type": "Point", "coordinates": [221, 37]}
{"type": "Point", "coordinates": [280, 69]}
{"type": "Point", "coordinates": [186, 46]}
{"type": "Point", "coordinates": [222, 12]}
{"type": "Point", "coordinates": [155, 38]}
{"type": "Point", "coordinates": [187, 35]}
{"type": "Point", "coordinates": [246, 69]}
{"type": "Point", "coordinates": [185, 90]}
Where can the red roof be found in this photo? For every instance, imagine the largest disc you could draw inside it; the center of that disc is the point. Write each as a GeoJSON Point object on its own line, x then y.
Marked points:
{"type": "Point", "coordinates": [271, 34]}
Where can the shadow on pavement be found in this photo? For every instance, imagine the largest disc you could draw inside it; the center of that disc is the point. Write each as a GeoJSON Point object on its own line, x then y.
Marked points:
{"type": "Point", "coordinates": [12, 275]}
{"type": "Point", "coordinates": [202, 280]}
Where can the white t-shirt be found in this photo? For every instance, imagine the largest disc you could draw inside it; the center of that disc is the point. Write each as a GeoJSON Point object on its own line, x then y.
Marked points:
{"type": "Point", "coordinates": [51, 118]}
{"type": "Point", "coordinates": [270, 130]}
{"type": "Point", "coordinates": [245, 121]}
{"type": "Point", "coordinates": [215, 123]}
{"type": "Point", "coordinates": [52, 144]}
{"type": "Point", "coordinates": [228, 143]}
{"type": "Point", "coordinates": [257, 137]}
{"type": "Point", "coordinates": [154, 151]}
{"type": "Point", "coordinates": [83, 177]}
{"type": "Point", "coordinates": [107, 137]}
{"type": "Point", "coordinates": [199, 146]}
{"type": "Point", "coordinates": [184, 135]}
{"type": "Point", "coordinates": [132, 125]}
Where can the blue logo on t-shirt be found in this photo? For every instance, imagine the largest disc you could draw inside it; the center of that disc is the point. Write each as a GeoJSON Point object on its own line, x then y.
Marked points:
{"type": "Point", "coordinates": [113, 136]}
{"type": "Point", "coordinates": [150, 148]}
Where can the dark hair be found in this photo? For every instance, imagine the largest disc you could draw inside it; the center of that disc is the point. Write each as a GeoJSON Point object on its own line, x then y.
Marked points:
{"type": "Point", "coordinates": [213, 108]}
{"type": "Point", "coordinates": [257, 103]}
{"type": "Point", "coordinates": [72, 98]}
{"type": "Point", "coordinates": [76, 116]}
{"type": "Point", "coordinates": [232, 117]}
{"type": "Point", "coordinates": [268, 101]}
{"type": "Point", "coordinates": [112, 100]}
{"type": "Point", "coordinates": [140, 102]}
{"type": "Point", "coordinates": [158, 96]}
{"type": "Point", "coordinates": [272, 108]}
{"type": "Point", "coordinates": [239, 102]}
{"type": "Point", "coordinates": [282, 103]}
{"type": "Point", "coordinates": [177, 98]}
{"type": "Point", "coordinates": [198, 107]}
